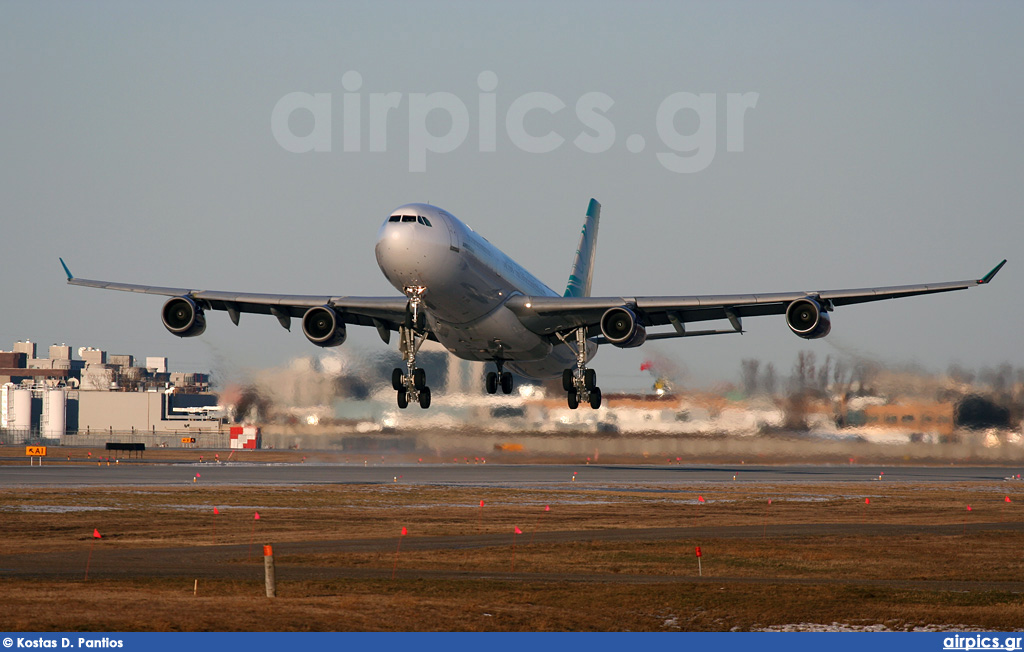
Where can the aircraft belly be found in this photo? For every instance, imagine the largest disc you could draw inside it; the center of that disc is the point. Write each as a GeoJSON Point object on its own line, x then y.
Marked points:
{"type": "Point", "coordinates": [499, 334]}
{"type": "Point", "coordinates": [551, 366]}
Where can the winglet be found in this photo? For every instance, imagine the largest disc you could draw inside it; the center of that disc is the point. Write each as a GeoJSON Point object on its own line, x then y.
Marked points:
{"type": "Point", "coordinates": [68, 271]}
{"type": "Point", "coordinates": [991, 275]}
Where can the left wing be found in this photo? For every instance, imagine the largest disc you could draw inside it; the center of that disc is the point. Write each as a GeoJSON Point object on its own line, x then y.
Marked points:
{"type": "Point", "coordinates": [806, 312]}
{"type": "Point", "coordinates": [384, 313]}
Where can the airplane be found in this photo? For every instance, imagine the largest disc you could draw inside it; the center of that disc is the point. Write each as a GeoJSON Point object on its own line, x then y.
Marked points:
{"type": "Point", "coordinates": [463, 292]}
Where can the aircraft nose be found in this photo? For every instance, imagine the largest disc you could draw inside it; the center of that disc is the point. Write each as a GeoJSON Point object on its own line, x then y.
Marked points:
{"type": "Point", "coordinates": [408, 252]}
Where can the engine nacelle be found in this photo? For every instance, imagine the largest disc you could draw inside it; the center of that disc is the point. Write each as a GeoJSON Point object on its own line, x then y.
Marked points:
{"type": "Point", "coordinates": [806, 318]}
{"type": "Point", "coordinates": [620, 327]}
{"type": "Point", "coordinates": [183, 317]}
{"type": "Point", "coordinates": [322, 326]}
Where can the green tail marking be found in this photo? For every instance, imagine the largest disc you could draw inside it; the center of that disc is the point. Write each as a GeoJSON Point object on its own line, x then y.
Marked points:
{"type": "Point", "coordinates": [582, 273]}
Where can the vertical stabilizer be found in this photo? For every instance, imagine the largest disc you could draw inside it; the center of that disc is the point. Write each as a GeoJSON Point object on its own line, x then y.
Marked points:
{"type": "Point", "coordinates": [582, 273]}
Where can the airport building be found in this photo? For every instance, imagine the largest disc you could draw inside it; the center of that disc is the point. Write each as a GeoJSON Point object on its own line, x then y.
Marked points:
{"type": "Point", "coordinates": [101, 398]}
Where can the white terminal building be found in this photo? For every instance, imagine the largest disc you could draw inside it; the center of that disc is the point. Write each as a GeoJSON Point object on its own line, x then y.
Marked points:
{"type": "Point", "coordinates": [100, 397]}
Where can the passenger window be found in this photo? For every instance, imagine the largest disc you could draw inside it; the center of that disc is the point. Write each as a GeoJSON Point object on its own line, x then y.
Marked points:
{"type": "Point", "coordinates": [408, 218]}
{"type": "Point", "coordinates": [424, 221]}
{"type": "Point", "coordinates": [395, 218]}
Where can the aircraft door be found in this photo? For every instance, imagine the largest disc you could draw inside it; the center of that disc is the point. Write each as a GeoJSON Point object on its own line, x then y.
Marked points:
{"type": "Point", "coordinates": [453, 237]}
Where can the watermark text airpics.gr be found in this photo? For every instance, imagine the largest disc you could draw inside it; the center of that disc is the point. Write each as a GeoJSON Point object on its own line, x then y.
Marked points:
{"type": "Point", "coordinates": [687, 124]}
{"type": "Point", "coordinates": [979, 642]}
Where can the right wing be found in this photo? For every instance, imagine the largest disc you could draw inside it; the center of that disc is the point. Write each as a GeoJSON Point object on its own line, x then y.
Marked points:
{"type": "Point", "coordinates": [557, 316]}
{"type": "Point", "coordinates": [386, 314]}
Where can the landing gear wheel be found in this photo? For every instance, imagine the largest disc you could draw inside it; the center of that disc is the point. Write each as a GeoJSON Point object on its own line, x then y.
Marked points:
{"type": "Point", "coordinates": [403, 398]}
{"type": "Point", "coordinates": [568, 382]}
{"type": "Point", "coordinates": [419, 379]}
{"type": "Point", "coordinates": [590, 379]}
{"type": "Point", "coordinates": [595, 398]}
{"type": "Point", "coordinates": [574, 400]}
{"type": "Point", "coordinates": [506, 383]}
{"type": "Point", "coordinates": [425, 398]}
{"type": "Point", "coordinates": [397, 380]}
{"type": "Point", "coordinates": [492, 382]}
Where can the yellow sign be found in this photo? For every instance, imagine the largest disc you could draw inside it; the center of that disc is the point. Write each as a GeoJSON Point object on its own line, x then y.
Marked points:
{"type": "Point", "coordinates": [35, 451]}
{"type": "Point", "coordinates": [188, 440]}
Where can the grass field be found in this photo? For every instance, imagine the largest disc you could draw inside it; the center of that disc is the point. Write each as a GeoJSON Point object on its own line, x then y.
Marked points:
{"type": "Point", "coordinates": [611, 558]}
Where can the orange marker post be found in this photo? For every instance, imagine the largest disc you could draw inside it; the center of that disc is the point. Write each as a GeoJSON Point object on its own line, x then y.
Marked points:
{"type": "Point", "coordinates": [253, 534]}
{"type": "Point", "coordinates": [399, 548]}
{"type": "Point", "coordinates": [216, 512]}
{"type": "Point", "coordinates": [269, 572]}
{"type": "Point", "coordinates": [547, 508]}
{"type": "Point", "coordinates": [95, 535]}
{"type": "Point", "coordinates": [700, 571]}
{"type": "Point", "coordinates": [515, 531]}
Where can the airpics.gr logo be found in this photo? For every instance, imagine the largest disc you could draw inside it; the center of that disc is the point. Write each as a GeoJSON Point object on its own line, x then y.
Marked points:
{"type": "Point", "coordinates": [365, 119]}
{"type": "Point", "coordinates": [980, 642]}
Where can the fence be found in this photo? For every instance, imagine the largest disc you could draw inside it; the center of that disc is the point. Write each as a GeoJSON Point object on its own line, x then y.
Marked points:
{"type": "Point", "coordinates": [100, 438]}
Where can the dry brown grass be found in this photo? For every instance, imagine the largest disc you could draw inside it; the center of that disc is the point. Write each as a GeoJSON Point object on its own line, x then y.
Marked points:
{"type": "Point", "coordinates": [476, 605]}
{"type": "Point", "coordinates": [824, 556]}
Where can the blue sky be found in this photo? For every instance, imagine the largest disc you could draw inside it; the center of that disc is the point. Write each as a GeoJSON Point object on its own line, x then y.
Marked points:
{"type": "Point", "coordinates": [885, 147]}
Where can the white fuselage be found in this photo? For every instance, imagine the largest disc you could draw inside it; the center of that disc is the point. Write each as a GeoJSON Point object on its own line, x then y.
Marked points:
{"type": "Point", "coordinates": [467, 281]}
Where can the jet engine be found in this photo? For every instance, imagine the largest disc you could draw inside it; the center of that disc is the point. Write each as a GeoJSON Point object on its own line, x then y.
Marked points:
{"type": "Point", "coordinates": [620, 327]}
{"type": "Point", "coordinates": [322, 326]}
{"type": "Point", "coordinates": [806, 318]}
{"type": "Point", "coordinates": [183, 317]}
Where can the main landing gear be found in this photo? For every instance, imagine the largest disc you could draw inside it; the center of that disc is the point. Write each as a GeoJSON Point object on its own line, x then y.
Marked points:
{"type": "Point", "coordinates": [580, 383]}
{"type": "Point", "coordinates": [411, 384]}
{"type": "Point", "coordinates": [500, 378]}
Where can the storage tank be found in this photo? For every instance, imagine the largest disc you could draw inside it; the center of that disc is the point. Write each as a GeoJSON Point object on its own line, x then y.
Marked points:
{"type": "Point", "coordinates": [3, 403]}
{"type": "Point", "coordinates": [19, 409]}
{"type": "Point", "coordinates": [56, 414]}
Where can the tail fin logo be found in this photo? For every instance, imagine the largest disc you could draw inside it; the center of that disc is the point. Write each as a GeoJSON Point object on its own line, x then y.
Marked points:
{"type": "Point", "coordinates": [582, 273]}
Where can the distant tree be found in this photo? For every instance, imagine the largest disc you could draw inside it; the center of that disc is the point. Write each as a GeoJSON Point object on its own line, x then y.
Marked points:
{"type": "Point", "coordinates": [749, 369]}
{"type": "Point", "coordinates": [864, 375]}
{"type": "Point", "coordinates": [999, 379]}
{"type": "Point", "coordinates": [960, 375]}
{"type": "Point", "coordinates": [801, 379]}
{"type": "Point", "coordinates": [822, 380]}
{"type": "Point", "coordinates": [768, 382]}
{"type": "Point", "coordinates": [801, 384]}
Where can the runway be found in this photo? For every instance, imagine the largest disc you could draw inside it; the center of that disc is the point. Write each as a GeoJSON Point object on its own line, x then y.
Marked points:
{"type": "Point", "coordinates": [484, 475]}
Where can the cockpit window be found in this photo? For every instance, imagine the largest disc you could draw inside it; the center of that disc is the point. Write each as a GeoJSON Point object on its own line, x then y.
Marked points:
{"type": "Point", "coordinates": [410, 218]}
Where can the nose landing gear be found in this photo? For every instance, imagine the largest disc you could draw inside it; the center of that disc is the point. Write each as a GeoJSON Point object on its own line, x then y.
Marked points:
{"type": "Point", "coordinates": [411, 384]}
